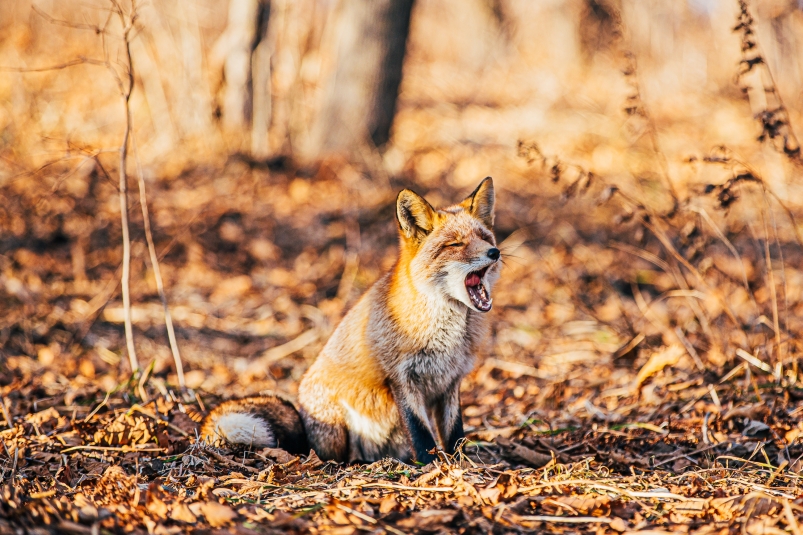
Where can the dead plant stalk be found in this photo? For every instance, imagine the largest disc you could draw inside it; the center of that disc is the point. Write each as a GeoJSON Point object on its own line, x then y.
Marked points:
{"type": "Point", "coordinates": [157, 274]}
{"type": "Point", "coordinates": [126, 88]}
{"type": "Point", "coordinates": [773, 297]}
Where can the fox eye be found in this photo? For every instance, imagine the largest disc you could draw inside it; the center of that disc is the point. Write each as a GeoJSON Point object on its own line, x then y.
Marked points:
{"type": "Point", "coordinates": [455, 244]}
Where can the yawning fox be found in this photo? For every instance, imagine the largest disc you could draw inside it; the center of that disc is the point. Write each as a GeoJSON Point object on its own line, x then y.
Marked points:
{"type": "Point", "coordinates": [387, 383]}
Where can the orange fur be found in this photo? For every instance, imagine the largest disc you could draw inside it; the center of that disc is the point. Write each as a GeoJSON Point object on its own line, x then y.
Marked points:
{"type": "Point", "coordinates": [388, 378]}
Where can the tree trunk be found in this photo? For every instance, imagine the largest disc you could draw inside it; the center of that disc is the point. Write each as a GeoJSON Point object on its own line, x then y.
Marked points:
{"type": "Point", "coordinates": [261, 108]}
{"type": "Point", "coordinates": [359, 100]}
{"type": "Point", "coordinates": [236, 53]}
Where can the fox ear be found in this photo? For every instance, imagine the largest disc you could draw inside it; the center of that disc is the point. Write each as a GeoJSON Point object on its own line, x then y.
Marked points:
{"type": "Point", "coordinates": [415, 215]}
{"type": "Point", "coordinates": [480, 203]}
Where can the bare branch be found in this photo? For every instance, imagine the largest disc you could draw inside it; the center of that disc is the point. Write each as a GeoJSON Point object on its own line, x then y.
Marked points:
{"type": "Point", "coordinates": [67, 23]}
{"type": "Point", "coordinates": [146, 221]}
{"type": "Point", "coordinates": [126, 91]}
{"type": "Point", "coordinates": [80, 61]}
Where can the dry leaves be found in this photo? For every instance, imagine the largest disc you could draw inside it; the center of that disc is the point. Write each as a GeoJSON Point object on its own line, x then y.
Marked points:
{"type": "Point", "coordinates": [665, 356]}
{"type": "Point", "coordinates": [591, 413]}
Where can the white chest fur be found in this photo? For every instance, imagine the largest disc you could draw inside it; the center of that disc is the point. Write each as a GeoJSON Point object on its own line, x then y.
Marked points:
{"type": "Point", "coordinates": [444, 353]}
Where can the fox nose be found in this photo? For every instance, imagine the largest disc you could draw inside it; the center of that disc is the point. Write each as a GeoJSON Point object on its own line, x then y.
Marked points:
{"type": "Point", "coordinates": [493, 253]}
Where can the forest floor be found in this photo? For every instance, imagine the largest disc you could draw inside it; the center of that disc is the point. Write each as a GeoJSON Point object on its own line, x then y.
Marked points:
{"type": "Point", "coordinates": [643, 368]}
{"type": "Point", "coordinates": [633, 381]}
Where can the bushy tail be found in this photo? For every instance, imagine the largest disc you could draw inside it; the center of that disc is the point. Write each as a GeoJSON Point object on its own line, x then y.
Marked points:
{"type": "Point", "coordinates": [261, 422]}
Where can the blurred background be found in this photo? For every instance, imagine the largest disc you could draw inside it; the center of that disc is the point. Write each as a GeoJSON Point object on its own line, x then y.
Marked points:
{"type": "Point", "coordinates": [643, 151]}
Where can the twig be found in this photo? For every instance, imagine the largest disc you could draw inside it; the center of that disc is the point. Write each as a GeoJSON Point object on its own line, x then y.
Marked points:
{"type": "Point", "coordinates": [689, 348]}
{"type": "Point", "coordinates": [637, 107]}
{"type": "Point", "coordinates": [124, 449]}
{"type": "Point", "coordinates": [361, 516]}
{"type": "Point", "coordinates": [641, 253]}
{"type": "Point", "coordinates": [143, 380]}
{"type": "Point", "coordinates": [566, 519]}
{"type": "Point", "coordinates": [157, 274]}
{"type": "Point", "coordinates": [279, 352]}
{"type": "Point", "coordinates": [228, 462]}
{"type": "Point", "coordinates": [677, 274]}
{"type": "Point", "coordinates": [755, 361]}
{"type": "Point", "coordinates": [773, 297]}
{"type": "Point", "coordinates": [727, 243]}
{"type": "Point", "coordinates": [773, 116]}
{"type": "Point", "coordinates": [80, 61]}
{"type": "Point", "coordinates": [617, 490]}
{"type": "Point", "coordinates": [59, 22]}
{"type": "Point", "coordinates": [687, 454]}
{"type": "Point", "coordinates": [4, 407]}
{"type": "Point", "coordinates": [791, 521]}
{"type": "Point", "coordinates": [783, 282]}
{"type": "Point", "coordinates": [14, 466]}
{"type": "Point", "coordinates": [102, 403]}
{"type": "Point", "coordinates": [125, 90]}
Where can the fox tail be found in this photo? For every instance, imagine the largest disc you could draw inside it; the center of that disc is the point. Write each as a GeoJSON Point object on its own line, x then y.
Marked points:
{"type": "Point", "coordinates": [261, 422]}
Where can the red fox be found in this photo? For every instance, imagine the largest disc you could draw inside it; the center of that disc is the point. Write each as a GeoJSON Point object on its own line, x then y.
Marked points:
{"type": "Point", "coordinates": [387, 383]}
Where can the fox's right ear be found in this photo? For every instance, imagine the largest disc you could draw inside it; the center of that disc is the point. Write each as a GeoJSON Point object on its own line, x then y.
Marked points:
{"type": "Point", "coordinates": [416, 216]}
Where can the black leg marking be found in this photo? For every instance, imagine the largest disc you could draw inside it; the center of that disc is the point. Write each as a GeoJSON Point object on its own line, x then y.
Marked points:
{"type": "Point", "coordinates": [456, 434]}
{"type": "Point", "coordinates": [421, 439]}
{"type": "Point", "coordinates": [449, 419]}
{"type": "Point", "coordinates": [330, 442]}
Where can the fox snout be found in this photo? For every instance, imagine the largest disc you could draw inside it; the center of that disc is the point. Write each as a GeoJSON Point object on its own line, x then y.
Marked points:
{"type": "Point", "coordinates": [477, 283]}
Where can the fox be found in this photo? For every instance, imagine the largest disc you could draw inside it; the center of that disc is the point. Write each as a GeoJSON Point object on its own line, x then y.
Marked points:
{"type": "Point", "coordinates": [387, 382]}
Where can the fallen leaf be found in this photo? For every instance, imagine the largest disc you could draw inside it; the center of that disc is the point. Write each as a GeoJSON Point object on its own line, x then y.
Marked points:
{"type": "Point", "coordinates": [277, 454]}
{"type": "Point", "coordinates": [666, 356]}
{"type": "Point", "coordinates": [582, 504]}
{"type": "Point", "coordinates": [181, 513]}
{"type": "Point", "coordinates": [221, 492]}
{"type": "Point", "coordinates": [41, 417]}
{"type": "Point", "coordinates": [756, 429]}
{"type": "Point", "coordinates": [388, 504]}
{"type": "Point", "coordinates": [338, 516]}
{"type": "Point", "coordinates": [523, 453]}
{"type": "Point", "coordinates": [157, 507]}
{"type": "Point", "coordinates": [491, 495]}
{"type": "Point", "coordinates": [428, 519]}
{"type": "Point", "coordinates": [756, 503]}
{"type": "Point", "coordinates": [617, 524]}
{"type": "Point", "coordinates": [217, 514]}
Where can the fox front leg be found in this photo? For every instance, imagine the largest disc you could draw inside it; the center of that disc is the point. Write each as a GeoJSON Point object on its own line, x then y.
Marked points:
{"type": "Point", "coordinates": [449, 418]}
{"type": "Point", "coordinates": [416, 426]}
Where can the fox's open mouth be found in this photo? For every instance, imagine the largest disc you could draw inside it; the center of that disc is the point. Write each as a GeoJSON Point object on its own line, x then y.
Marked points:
{"type": "Point", "coordinates": [477, 292]}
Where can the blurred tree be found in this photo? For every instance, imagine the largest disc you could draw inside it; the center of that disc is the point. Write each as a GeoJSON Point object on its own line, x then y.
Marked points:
{"type": "Point", "coordinates": [359, 99]}
{"type": "Point", "coordinates": [599, 26]}
{"type": "Point", "coordinates": [242, 57]}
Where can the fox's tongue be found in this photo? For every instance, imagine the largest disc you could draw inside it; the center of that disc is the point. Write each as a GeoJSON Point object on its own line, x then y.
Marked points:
{"type": "Point", "coordinates": [477, 292]}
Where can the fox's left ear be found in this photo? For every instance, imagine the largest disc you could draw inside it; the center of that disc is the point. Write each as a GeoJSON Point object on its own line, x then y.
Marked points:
{"type": "Point", "coordinates": [480, 203]}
